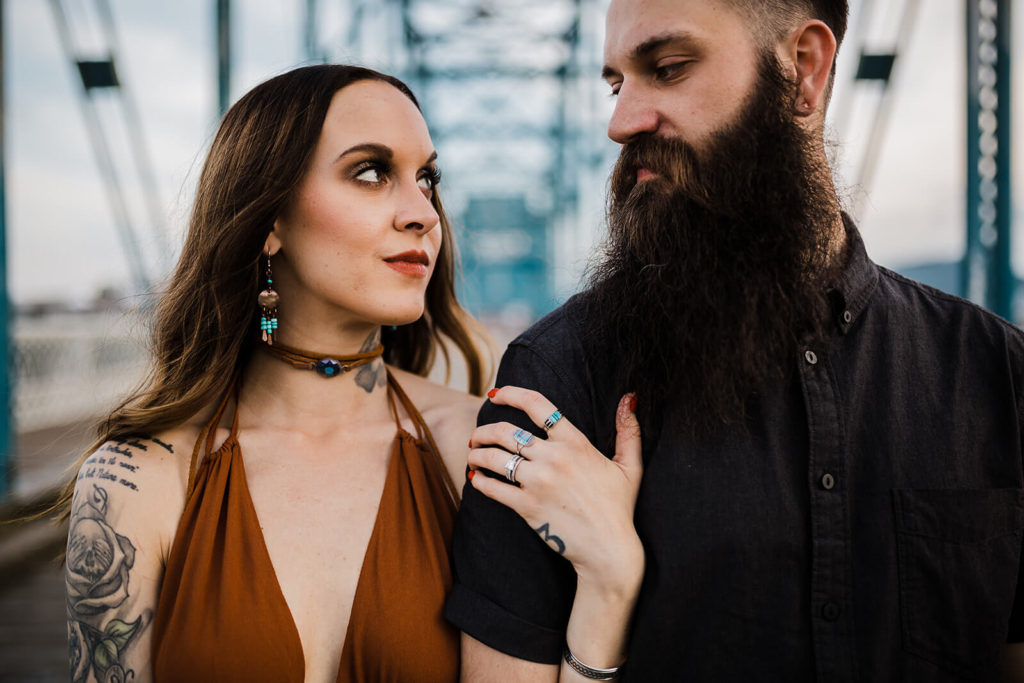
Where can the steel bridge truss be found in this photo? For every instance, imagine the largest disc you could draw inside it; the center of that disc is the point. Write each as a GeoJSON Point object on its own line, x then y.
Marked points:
{"type": "Point", "coordinates": [514, 101]}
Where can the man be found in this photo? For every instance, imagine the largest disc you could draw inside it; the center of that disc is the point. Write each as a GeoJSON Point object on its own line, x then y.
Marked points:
{"type": "Point", "coordinates": [832, 483]}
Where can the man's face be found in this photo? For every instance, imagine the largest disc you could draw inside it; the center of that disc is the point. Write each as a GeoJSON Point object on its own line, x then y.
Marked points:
{"type": "Point", "coordinates": [715, 268]}
{"type": "Point", "coordinates": [678, 68]}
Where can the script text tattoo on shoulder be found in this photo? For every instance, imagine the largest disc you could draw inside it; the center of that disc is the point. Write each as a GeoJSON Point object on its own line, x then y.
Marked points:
{"type": "Point", "coordinates": [112, 462]}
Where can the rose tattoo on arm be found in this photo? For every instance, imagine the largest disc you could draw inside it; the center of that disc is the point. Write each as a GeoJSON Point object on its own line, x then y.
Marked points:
{"type": "Point", "coordinates": [98, 563]}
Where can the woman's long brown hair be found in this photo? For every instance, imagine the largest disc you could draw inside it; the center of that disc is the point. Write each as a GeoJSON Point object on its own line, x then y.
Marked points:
{"type": "Point", "coordinates": [203, 326]}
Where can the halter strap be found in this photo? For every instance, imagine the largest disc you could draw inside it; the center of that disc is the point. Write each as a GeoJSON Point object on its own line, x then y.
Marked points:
{"type": "Point", "coordinates": [394, 408]}
{"type": "Point", "coordinates": [206, 436]}
{"type": "Point", "coordinates": [208, 432]}
{"type": "Point", "coordinates": [423, 432]}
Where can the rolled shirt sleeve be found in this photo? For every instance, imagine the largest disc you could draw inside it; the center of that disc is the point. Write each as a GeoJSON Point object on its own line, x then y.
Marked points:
{"type": "Point", "coordinates": [1015, 630]}
{"type": "Point", "coordinates": [1015, 634]}
{"type": "Point", "coordinates": [511, 591]}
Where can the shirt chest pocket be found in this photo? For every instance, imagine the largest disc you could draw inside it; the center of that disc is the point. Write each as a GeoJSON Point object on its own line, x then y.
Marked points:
{"type": "Point", "coordinates": [959, 554]}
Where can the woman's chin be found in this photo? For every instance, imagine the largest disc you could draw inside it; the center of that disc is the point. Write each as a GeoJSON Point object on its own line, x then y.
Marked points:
{"type": "Point", "coordinates": [404, 317]}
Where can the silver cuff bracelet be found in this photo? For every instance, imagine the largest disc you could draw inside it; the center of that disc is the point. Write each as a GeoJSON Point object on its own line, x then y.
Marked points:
{"type": "Point", "coordinates": [589, 671]}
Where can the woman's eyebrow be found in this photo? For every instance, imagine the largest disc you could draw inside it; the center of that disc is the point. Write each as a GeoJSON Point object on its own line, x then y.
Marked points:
{"type": "Point", "coordinates": [370, 147]}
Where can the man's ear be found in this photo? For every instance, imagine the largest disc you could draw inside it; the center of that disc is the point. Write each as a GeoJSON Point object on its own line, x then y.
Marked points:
{"type": "Point", "coordinates": [273, 243]}
{"type": "Point", "coordinates": [812, 49]}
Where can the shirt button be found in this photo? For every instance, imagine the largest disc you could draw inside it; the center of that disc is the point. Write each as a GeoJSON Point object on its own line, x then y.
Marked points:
{"type": "Point", "coordinates": [847, 317]}
{"type": "Point", "coordinates": [811, 357]}
{"type": "Point", "coordinates": [828, 482]}
{"type": "Point", "coordinates": [830, 611]}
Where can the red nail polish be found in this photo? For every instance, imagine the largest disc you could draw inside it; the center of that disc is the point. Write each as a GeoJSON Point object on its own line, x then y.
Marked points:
{"type": "Point", "coordinates": [470, 475]}
{"type": "Point", "coordinates": [492, 392]}
{"type": "Point", "coordinates": [471, 443]}
{"type": "Point", "coordinates": [632, 403]}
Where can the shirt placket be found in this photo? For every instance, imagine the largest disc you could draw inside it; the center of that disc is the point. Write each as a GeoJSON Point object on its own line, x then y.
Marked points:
{"type": "Point", "coordinates": [831, 580]}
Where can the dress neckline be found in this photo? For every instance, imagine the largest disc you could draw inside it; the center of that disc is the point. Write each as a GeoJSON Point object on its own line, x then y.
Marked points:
{"type": "Point", "coordinates": [231, 447]}
{"type": "Point", "coordinates": [423, 439]}
{"type": "Point", "coordinates": [395, 460]}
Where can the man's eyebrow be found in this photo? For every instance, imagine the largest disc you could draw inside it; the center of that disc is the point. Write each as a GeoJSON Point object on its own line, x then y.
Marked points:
{"type": "Point", "coordinates": [645, 49]}
{"type": "Point", "coordinates": [368, 147]}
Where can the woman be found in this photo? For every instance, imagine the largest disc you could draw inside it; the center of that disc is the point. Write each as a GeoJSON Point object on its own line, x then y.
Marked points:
{"type": "Point", "coordinates": [321, 553]}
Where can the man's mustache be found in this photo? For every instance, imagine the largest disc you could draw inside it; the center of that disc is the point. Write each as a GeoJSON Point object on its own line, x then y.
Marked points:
{"type": "Point", "coordinates": [672, 162]}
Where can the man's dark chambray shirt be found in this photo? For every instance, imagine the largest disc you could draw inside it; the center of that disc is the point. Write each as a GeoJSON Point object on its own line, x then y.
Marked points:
{"type": "Point", "coordinates": [866, 527]}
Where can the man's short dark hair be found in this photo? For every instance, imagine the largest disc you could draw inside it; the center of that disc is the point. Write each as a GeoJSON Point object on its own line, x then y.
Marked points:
{"type": "Point", "coordinates": [780, 16]}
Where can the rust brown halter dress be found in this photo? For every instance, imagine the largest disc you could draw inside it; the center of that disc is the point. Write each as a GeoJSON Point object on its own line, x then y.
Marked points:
{"type": "Point", "coordinates": [221, 615]}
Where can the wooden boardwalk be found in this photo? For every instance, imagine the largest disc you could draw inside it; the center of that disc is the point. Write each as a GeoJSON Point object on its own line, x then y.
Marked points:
{"type": "Point", "coordinates": [33, 639]}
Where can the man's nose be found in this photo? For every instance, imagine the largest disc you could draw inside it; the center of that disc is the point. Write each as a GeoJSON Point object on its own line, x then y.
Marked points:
{"type": "Point", "coordinates": [634, 115]}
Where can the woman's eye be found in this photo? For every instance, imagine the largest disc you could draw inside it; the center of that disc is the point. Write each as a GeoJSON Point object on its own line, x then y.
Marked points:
{"type": "Point", "coordinates": [370, 174]}
{"type": "Point", "coordinates": [428, 181]}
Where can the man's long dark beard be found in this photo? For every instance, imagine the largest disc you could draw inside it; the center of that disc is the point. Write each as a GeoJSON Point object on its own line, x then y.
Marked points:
{"type": "Point", "coordinates": [714, 270]}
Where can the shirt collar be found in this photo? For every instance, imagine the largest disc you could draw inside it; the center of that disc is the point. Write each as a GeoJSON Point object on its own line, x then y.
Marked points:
{"type": "Point", "coordinates": [857, 281]}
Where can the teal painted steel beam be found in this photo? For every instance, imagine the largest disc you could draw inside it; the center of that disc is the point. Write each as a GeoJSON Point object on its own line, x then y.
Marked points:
{"type": "Point", "coordinates": [516, 160]}
{"type": "Point", "coordinates": [987, 271]}
{"type": "Point", "coordinates": [6, 348]}
{"type": "Point", "coordinates": [223, 55]}
{"type": "Point", "coordinates": [309, 33]}
{"type": "Point", "coordinates": [104, 159]}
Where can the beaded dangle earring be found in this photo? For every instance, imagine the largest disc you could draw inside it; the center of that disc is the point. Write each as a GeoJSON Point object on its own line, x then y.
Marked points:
{"type": "Point", "coordinates": [268, 300]}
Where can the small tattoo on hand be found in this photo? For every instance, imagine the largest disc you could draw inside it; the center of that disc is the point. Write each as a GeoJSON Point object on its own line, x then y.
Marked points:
{"type": "Point", "coordinates": [554, 541]}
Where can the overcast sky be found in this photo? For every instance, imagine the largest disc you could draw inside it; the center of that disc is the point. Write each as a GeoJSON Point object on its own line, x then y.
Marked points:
{"type": "Point", "coordinates": [62, 243]}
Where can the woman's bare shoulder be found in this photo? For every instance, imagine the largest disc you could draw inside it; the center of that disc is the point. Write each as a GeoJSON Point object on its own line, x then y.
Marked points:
{"type": "Point", "coordinates": [449, 413]}
{"type": "Point", "coordinates": [436, 401]}
{"type": "Point", "coordinates": [141, 479]}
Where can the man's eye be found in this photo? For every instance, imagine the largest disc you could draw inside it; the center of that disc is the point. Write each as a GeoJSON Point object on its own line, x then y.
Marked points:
{"type": "Point", "coordinates": [370, 174]}
{"type": "Point", "coordinates": [668, 71]}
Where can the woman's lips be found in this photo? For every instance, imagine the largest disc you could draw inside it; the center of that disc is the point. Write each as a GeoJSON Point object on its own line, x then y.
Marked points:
{"type": "Point", "coordinates": [409, 268]}
{"type": "Point", "coordinates": [414, 263]}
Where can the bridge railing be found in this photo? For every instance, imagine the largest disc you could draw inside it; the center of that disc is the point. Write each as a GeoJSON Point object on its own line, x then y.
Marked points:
{"type": "Point", "coordinates": [73, 367]}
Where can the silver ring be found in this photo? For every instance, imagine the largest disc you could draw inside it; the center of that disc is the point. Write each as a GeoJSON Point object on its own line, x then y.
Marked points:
{"type": "Point", "coordinates": [523, 439]}
{"type": "Point", "coordinates": [551, 420]}
{"type": "Point", "coordinates": [511, 465]}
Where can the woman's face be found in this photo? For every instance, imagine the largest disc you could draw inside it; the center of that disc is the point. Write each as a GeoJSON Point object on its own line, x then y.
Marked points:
{"type": "Point", "coordinates": [359, 240]}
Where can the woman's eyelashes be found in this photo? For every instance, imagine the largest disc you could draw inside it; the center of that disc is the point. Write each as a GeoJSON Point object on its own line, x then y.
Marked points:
{"type": "Point", "coordinates": [429, 179]}
{"type": "Point", "coordinates": [379, 172]}
{"type": "Point", "coordinates": [372, 172]}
